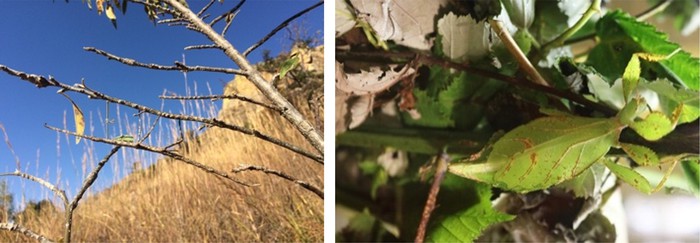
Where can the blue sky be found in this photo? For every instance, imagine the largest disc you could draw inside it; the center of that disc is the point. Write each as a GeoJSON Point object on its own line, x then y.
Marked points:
{"type": "Point", "coordinates": [46, 38]}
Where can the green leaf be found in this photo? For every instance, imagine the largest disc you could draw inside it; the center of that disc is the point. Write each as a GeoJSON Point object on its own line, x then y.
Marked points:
{"type": "Point", "coordinates": [655, 126]}
{"type": "Point", "coordinates": [467, 225]}
{"type": "Point", "coordinates": [640, 154]}
{"type": "Point", "coordinates": [691, 168]}
{"type": "Point", "coordinates": [671, 97]}
{"type": "Point", "coordinates": [447, 100]}
{"type": "Point", "coordinates": [289, 64]}
{"type": "Point", "coordinates": [630, 176]}
{"type": "Point", "coordinates": [622, 35]}
{"type": "Point", "coordinates": [544, 152]}
{"type": "Point", "coordinates": [630, 78]}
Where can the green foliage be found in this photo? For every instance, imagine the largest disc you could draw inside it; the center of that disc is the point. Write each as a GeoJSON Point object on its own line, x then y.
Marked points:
{"type": "Point", "coordinates": [621, 36]}
{"type": "Point", "coordinates": [691, 168]}
{"type": "Point", "coordinates": [466, 225]}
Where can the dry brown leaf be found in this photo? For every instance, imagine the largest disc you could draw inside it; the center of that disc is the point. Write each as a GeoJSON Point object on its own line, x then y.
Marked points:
{"type": "Point", "coordinates": [79, 119]}
{"type": "Point", "coordinates": [406, 22]}
{"type": "Point", "coordinates": [360, 109]}
{"type": "Point", "coordinates": [369, 82]}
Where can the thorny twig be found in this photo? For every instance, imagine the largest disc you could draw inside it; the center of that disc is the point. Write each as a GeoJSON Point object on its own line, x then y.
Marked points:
{"type": "Point", "coordinates": [177, 67]}
{"type": "Point", "coordinates": [304, 184]}
{"type": "Point", "coordinates": [442, 161]}
{"type": "Point", "coordinates": [280, 27]}
{"type": "Point", "coordinates": [41, 81]}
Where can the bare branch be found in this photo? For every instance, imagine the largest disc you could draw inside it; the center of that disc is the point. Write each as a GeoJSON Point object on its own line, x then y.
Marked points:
{"type": "Point", "coordinates": [204, 9]}
{"type": "Point", "coordinates": [89, 180]}
{"type": "Point", "coordinates": [197, 47]}
{"type": "Point", "coordinates": [283, 175]}
{"type": "Point", "coordinates": [232, 11]}
{"type": "Point", "coordinates": [280, 27]}
{"type": "Point", "coordinates": [60, 193]}
{"type": "Point", "coordinates": [19, 229]}
{"type": "Point", "coordinates": [162, 151]}
{"type": "Point", "coordinates": [178, 67]}
{"type": "Point", "coordinates": [41, 81]}
{"type": "Point", "coordinates": [216, 97]}
{"type": "Point", "coordinates": [289, 111]}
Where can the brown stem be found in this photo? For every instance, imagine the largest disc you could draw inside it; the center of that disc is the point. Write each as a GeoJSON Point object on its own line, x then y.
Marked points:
{"type": "Point", "coordinates": [442, 161]}
{"type": "Point", "coordinates": [178, 66]}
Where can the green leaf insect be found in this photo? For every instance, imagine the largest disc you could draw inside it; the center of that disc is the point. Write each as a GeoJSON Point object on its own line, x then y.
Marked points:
{"type": "Point", "coordinates": [544, 152]}
{"type": "Point", "coordinates": [289, 64]}
{"type": "Point", "coordinates": [125, 138]}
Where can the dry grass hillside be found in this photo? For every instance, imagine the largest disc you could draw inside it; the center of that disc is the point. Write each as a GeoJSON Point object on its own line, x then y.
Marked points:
{"type": "Point", "coordinates": [174, 202]}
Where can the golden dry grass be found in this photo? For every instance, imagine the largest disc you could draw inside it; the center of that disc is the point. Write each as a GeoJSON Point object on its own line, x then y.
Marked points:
{"type": "Point", "coordinates": [175, 202]}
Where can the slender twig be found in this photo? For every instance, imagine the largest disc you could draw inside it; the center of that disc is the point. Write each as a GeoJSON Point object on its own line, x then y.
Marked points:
{"type": "Point", "coordinates": [233, 10]}
{"type": "Point", "coordinates": [594, 8]}
{"type": "Point", "coordinates": [89, 180]}
{"type": "Point", "coordinates": [217, 97]}
{"type": "Point", "coordinates": [267, 88]}
{"type": "Point", "coordinates": [513, 48]}
{"type": "Point", "coordinates": [430, 60]}
{"type": "Point", "coordinates": [442, 160]}
{"type": "Point", "coordinates": [280, 27]}
{"type": "Point", "coordinates": [41, 81]}
{"type": "Point", "coordinates": [170, 21]}
{"type": "Point", "coordinates": [199, 47]}
{"type": "Point", "coordinates": [229, 20]}
{"type": "Point", "coordinates": [60, 193]}
{"type": "Point", "coordinates": [304, 184]}
{"type": "Point", "coordinates": [180, 67]}
{"type": "Point", "coordinates": [22, 230]}
{"type": "Point", "coordinates": [658, 8]}
{"type": "Point", "coordinates": [204, 9]}
{"type": "Point", "coordinates": [162, 151]}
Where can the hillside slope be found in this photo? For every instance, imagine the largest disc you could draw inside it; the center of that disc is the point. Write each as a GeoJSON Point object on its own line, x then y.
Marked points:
{"type": "Point", "coordinates": [175, 202]}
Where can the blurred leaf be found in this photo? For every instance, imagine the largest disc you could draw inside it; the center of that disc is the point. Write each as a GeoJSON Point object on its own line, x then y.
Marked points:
{"type": "Point", "coordinates": [463, 38]}
{"type": "Point", "coordinates": [691, 168]}
{"type": "Point", "coordinates": [406, 23]}
{"type": "Point", "coordinates": [467, 225]}
{"type": "Point", "coordinates": [289, 64]}
{"type": "Point", "coordinates": [549, 21]}
{"type": "Point", "coordinates": [521, 12]}
{"type": "Point", "coordinates": [100, 4]}
{"type": "Point", "coordinates": [344, 19]}
{"type": "Point", "coordinates": [671, 97]}
{"type": "Point", "coordinates": [110, 15]}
